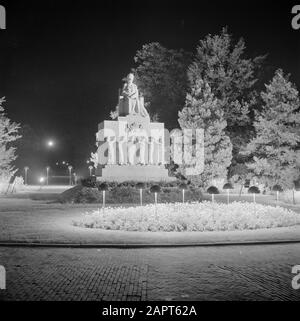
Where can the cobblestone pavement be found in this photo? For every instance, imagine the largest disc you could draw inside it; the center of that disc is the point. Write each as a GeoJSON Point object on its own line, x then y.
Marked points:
{"type": "Point", "coordinates": [195, 273]}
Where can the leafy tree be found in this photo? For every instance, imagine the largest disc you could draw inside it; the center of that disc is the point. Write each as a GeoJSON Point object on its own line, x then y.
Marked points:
{"type": "Point", "coordinates": [203, 110]}
{"type": "Point", "coordinates": [239, 173]}
{"type": "Point", "coordinates": [232, 76]}
{"type": "Point", "coordinates": [8, 134]}
{"type": "Point", "coordinates": [161, 75]}
{"type": "Point", "coordinates": [275, 149]}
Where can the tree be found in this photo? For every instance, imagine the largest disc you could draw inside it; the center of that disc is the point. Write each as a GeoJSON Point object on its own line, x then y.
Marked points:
{"type": "Point", "coordinates": [203, 110]}
{"type": "Point", "coordinates": [161, 75]}
{"type": "Point", "coordinates": [8, 134]}
{"type": "Point", "coordinates": [275, 149]}
{"type": "Point", "coordinates": [232, 76]}
{"type": "Point", "coordinates": [239, 173]}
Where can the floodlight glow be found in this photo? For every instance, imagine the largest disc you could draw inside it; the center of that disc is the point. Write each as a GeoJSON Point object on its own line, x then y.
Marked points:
{"type": "Point", "coordinates": [42, 179]}
{"type": "Point", "coordinates": [50, 143]}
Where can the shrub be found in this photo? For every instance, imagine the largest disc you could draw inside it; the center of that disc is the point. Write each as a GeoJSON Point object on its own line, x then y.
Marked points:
{"type": "Point", "coordinates": [89, 181]}
{"type": "Point", "coordinates": [213, 190]}
{"type": "Point", "coordinates": [228, 186]}
{"type": "Point", "coordinates": [277, 188]}
{"type": "Point", "coordinates": [102, 187]}
{"type": "Point", "coordinates": [126, 195]}
{"type": "Point", "coordinates": [88, 195]}
{"type": "Point", "coordinates": [183, 186]}
{"type": "Point", "coordinates": [253, 190]}
{"type": "Point", "coordinates": [155, 189]}
{"type": "Point", "coordinates": [140, 185]}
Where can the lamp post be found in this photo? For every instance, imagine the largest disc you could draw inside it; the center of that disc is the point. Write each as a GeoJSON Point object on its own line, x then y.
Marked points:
{"type": "Point", "coordinates": [228, 187]}
{"type": "Point", "coordinates": [140, 186]}
{"type": "Point", "coordinates": [70, 174]}
{"type": "Point", "coordinates": [90, 169]}
{"type": "Point", "coordinates": [41, 180]}
{"type": "Point", "coordinates": [26, 168]}
{"type": "Point", "coordinates": [47, 176]}
{"type": "Point", "coordinates": [75, 178]}
{"type": "Point", "coordinates": [155, 189]}
{"type": "Point", "coordinates": [253, 190]}
{"type": "Point", "coordinates": [213, 190]}
{"type": "Point", "coordinates": [102, 188]}
{"type": "Point", "coordinates": [277, 188]}
{"type": "Point", "coordinates": [183, 188]}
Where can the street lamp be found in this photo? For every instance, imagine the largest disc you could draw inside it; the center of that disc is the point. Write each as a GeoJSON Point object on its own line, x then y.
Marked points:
{"type": "Point", "coordinates": [50, 143]}
{"type": "Point", "coordinates": [91, 169]}
{"type": "Point", "coordinates": [47, 176]}
{"type": "Point", "coordinates": [183, 187]}
{"type": "Point", "coordinates": [70, 174]}
{"type": "Point", "coordinates": [41, 180]}
{"type": "Point", "coordinates": [26, 168]}
{"type": "Point", "coordinates": [75, 178]}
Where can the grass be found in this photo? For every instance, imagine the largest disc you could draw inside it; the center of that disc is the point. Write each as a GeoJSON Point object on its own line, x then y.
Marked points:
{"type": "Point", "coordinates": [25, 220]}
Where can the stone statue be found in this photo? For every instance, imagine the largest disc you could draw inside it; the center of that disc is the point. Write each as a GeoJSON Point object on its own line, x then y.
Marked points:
{"type": "Point", "coordinates": [143, 142]}
{"type": "Point", "coordinates": [94, 159]}
{"type": "Point", "coordinates": [130, 102]}
{"type": "Point", "coordinates": [129, 97]}
{"type": "Point", "coordinates": [131, 150]}
{"type": "Point", "coordinates": [151, 150]}
{"type": "Point", "coordinates": [141, 108]}
{"type": "Point", "coordinates": [111, 150]}
{"type": "Point", "coordinates": [121, 146]}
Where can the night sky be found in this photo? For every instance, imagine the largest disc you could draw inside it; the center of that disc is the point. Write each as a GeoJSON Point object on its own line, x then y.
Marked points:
{"type": "Point", "coordinates": [62, 62]}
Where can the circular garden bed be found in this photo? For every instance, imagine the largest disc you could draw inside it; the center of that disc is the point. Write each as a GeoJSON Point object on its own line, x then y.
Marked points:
{"type": "Point", "coordinates": [179, 217]}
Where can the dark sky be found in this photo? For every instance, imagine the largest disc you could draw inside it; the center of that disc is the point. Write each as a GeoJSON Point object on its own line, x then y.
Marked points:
{"type": "Point", "coordinates": [62, 61]}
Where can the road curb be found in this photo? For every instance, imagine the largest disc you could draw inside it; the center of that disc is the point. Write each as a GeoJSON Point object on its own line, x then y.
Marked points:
{"type": "Point", "coordinates": [150, 245]}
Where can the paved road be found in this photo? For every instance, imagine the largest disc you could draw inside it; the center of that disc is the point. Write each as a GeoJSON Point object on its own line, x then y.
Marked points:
{"type": "Point", "coordinates": [202, 273]}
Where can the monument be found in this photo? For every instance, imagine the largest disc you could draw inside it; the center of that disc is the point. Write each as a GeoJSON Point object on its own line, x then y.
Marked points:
{"type": "Point", "coordinates": [131, 148]}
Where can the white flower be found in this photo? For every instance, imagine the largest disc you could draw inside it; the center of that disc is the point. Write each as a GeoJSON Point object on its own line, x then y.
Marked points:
{"type": "Point", "coordinates": [205, 216]}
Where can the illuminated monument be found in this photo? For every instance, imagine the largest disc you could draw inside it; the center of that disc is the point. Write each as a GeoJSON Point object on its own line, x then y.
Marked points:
{"type": "Point", "coordinates": [131, 147]}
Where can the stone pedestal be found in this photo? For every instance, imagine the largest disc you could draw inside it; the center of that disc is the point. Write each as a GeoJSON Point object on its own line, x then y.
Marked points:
{"type": "Point", "coordinates": [131, 148]}
{"type": "Point", "coordinates": [139, 173]}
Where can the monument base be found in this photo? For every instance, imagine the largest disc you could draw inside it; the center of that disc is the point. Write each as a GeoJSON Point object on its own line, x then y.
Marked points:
{"type": "Point", "coordinates": [138, 173]}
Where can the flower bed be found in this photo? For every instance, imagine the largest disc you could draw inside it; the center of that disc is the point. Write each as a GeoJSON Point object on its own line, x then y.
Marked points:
{"type": "Point", "coordinates": [178, 217]}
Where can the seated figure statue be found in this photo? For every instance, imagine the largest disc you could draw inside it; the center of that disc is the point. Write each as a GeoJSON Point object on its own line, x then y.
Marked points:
{"type": "Point", "coordinates": [130, 102]}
